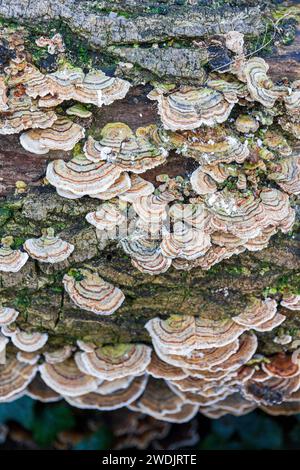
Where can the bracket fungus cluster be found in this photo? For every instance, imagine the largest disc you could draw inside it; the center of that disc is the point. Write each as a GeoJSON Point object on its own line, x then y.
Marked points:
{"type": "Point", "coordinates": [237, 134]}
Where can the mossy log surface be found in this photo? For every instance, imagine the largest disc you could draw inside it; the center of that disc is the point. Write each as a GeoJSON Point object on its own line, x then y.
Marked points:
{"type": "Point", "coordinates": [37, 291]}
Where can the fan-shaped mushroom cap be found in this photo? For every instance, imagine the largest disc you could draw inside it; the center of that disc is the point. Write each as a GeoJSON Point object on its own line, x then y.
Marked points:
{"type": "Point", "coordinates": [259, 85]}
{"type": "Point", "coordinates": [59, 355]}
{"type": "Point", "coordinates": [232, 90]}
{"type": "Point", "coordinates": [11, 260]}
{"type": "Point", "coordinates": [292, 127]}
{"type": "Point", "coordinates": [180, 335]}
{"type": "Point", "coordinates": [282, 409]}
{"type": "Point", "coordinates": [28, 357]}
{"type": "Point", "coordinates": [271, 391]}
{"type": "Point", "coordinates": [277, 208]}
{"type": "Point", "coordinates": [118, 188]}
{"type": "Point", "coordinates": [246, 123]}
{"type": "Point", "coordinates": [3, 343]}
{"type": "Point", "coordinates": [112, 401]}
{"type": "Point", "coordinates": [81, 177]}
{"type": "Point", "coordinates": [29, 342]}
{"type": "Point", "coordinates": [234, 405]}
{"type": "Point", "coordinates": [286, 173]}
{"type": "Point", "coordinates": [235, 42]}
{"type": "Point", "coordinates": [3, 96]}
{"type": "Point", "coordinates": [195, 215]}
{"type": "Point", "coordinates": [184, 415]}
{"type": "Point", "coordinates": [115, 362]}
{"type": "Point", "coordinates": [190, 108]}
{"type": "Point", "coordinates": [185, 242]}
{"type": "Point", "coordinates": [291, 302]}
{"type": "Point", "coordinates": [7, 316]}
{"type": "Point", "coordinates": [248, 346]}
{"type": "Point", "coordinates": [158, 399]}
{"type": "Point", "coordinates": [281, 365]}
{"type": "Point", "coordinates": [65, 378]}
{"type": "Point", "coordinates": [260, 311]}
{"type": "Point", "coordinates": [215, 146]}
{"type": "Point", "coordinates": [120, 146]}
{"type": "Point", "coordinates": [38, 390]}
{"type": "Point", "coordinates": [160, 369]}
{"type": "Point", "coordinates": [139, 187]}
{"type": "Point", "coordinates": [24, 114]}
{"type": "Point", "coordinates": [152, 208]}
{"type": "Point", "coordinates": [271, 324]}
{"type": "Point", "coordinates": [79, 111]}
{"type": "Point", "coordinates": [107, 217]}
{"type": "Point", "coordinates": [292, 100]}
{"type": "Point", "coordinates": [110, 386]}
{"type": "Point", "coordinates": [14, 377]}
{"type": "Point", "coordinates": [199, 358]}
{"type": "Point", "coordinates": [62, 135]}
{"type": "Point", "coordinates": [48, 248]}
{"type": "Point", "coordinates": [202, 183]}
{"type": "Point", "coordinates": [94, 294]}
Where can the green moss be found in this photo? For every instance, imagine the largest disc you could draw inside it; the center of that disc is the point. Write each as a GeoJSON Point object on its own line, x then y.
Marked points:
{"type": "Point", "coordinates": [5, 214]}
{"type": "Point", "coordinates": [22, 300]}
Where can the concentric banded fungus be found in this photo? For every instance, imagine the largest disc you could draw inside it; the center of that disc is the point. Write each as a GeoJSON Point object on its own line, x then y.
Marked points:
{"type": "Point", "coordinates": [14, 377]}
{"type": "Point", "coordinates": [152, 208]}
{"type": "Point", "coordinates": [62, 135]}
{"type": "Point", "coordinates": [48, 248]}
{"type": "Point", "coordinates": [38, 390]}
{"type": "Point", "coordinates": [259, 85]}
{"type": "Point", "coordinates": [28, 357]}
{"type": "Point", "coordinates": [29, 342]}
{"type": "Point", "coordinates": [139, 187]}
{"type": "Point", "coordinates": [291, 302]}
{"type": "Point", "coordinates": [160, 369]}
{"type": "Point", "coordinates": [146, 255]}
{"type": "Point", "coordinates": [286, 173]}
{"type": "Point", "coordinates": [120, 146]}
{"type": "Point", "coordinates": [182, 334]}
{"type": "Point", "coordinates": [59, 355]}
{"type": "Point", "coordinates": [190, 108]}
{"type": "Point", "coordinates": [115, 362]}
{"type": "Point", "coordinates": [11, 260]}
{"type": "Point", "coordinates": [185, 242]}
{"type": "Point", "coordinates": [92, 293]}
{"type": "Point", "coordinates": [7, 316]}
{"type": "Point", "coordinates": [107, 217]}
{"type": "Point", "coordinates": [213, 146]}
{"type": "Point", "coordinates": [118, 188]}
{"type": "Point", "coordinates": [112, 401]}
{"type": "Point", "coordinates": [111, 386]}
{"type": "Point", "coordinates": [282, 365]}
{"type": "Point", "coordinates": [246, 124]}
{"type": "Point", "coordinates": [257, 313]}
{"type": "Point", "coordinates": [292, 100]}
{"type": "Point", "coordinates": [3, 96]}
{"type": "Point", "coordinates": [81, 177]}
{"type": "Point", "coordinates": [247, 348]}
{"type": "Point", "coordinates": [202, 183]}
{"type": "Point", "coordinates": [65, 378]}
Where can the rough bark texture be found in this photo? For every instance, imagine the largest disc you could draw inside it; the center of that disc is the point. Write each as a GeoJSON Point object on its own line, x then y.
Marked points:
{"type": "Point", "coordinates": [224, 290]}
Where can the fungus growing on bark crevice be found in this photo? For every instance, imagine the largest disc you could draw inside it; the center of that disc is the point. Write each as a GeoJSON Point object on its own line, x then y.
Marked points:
{"type": "Point", "coordinates": [48, 248]}
{"type": "Point", "coordinates": [11, 261]}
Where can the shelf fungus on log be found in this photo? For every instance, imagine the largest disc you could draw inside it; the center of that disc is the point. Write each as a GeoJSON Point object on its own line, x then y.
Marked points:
{"type": "Point", "coordinates": [291, 302]}
{"type": "Point", "coordinates": [29, 342]}
{"type": "Point", "coordinates": [38, 390]}
{"type": "Point", "coordinates": [79, 177]}
{"type": "Point", "coordinates": [62, 135]}
{"type": "Point", "coordinates": [48, 248]}
{"type": "Point", "coordinates": [90, 292]}
{"type": "Point", "coordinates": [118, 361]}
{"type": "Point", "coordinates": [11, 260]}
{"type": "Point", "coordinates": [190, 108]}
{"type": "Point", "coordinates": [14, 377]}
{"type": "Point", "coordinates": [111, 401]}
{"type": "Point", "coordinates": [28, 357]}
{"type": "Point", "coordinates": [59, 355]}
{"type": "Point", "coordinates": [121, 146]}
{"type": "Point", "coordinates": [65, 378]}
{"type": "Point", "coordinates": [7, 316]}
{"type": "Point", "coordinates": [107, 217]}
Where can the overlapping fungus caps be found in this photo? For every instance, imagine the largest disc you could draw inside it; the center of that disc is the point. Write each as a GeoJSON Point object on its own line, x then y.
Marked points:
{"type": "Point", "coordinates": [119, 145]}
{"type": "Point", "coordinates": [58, 355]}
{"type": "Point", "coordinates": [190, 108]}
{"type": "Point", "coordinates": [62, 135]}
{"type": "Point", "coordinates": [139, 187]}
{"type": "Point", "coordinates": [118, 361]}
{"type": "Point", "coordinates": [185, 242]}
{"type": "Point", "coordinates": [65, 378]}
{"type": "Point", "coordinates": [260, 87]}
{"type": "Point", "coordinates": [29, 342]}
{"type": "Point", "coordinates": [79, 177]}
{"type": "Point", "coordinates": [38, 390]}
{"type": "Point", "coordinates": [215, 145]}
{"type": "Point", "coordinates": [246, 124]}
{"type": "Point", "coordinates": [11, 260]}
{"type": "Point", "coordinates": [14, 377]}
{"type": "Point", "coordinates": [257, 313]}
{"type": "Point", "coordinates": [182, 334]}
{"type": "Point", "coordinates": [3, 95]}
{"type": "Point", "coordinates": [7, 315]}
{"type": "Point", "coordinates": [286, 173]}
{"type": "Point", "coordinates": [292, 100]}
{"type": "Point", "coordinates": [90, 292]}
{"type": "Point", "coordinates": [48, 248]}
{"type": "Point", "coordinates": [291, 302]}
{"type": "Point", "coordinates": [110, 401]}
{"type": "Point", "coordinates": [106, 217]}
{"type": "Point", "coordinates": [160, 369]}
